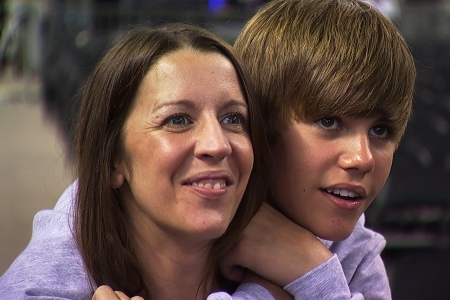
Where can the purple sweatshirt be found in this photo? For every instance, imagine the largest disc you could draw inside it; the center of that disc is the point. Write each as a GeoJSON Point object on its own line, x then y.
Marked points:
{"type": "Point", "coordinates": [51, 267]}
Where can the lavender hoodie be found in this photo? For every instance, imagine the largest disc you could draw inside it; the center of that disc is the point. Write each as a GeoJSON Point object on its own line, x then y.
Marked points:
{"type": "Point", "coordinates": [51, 267]}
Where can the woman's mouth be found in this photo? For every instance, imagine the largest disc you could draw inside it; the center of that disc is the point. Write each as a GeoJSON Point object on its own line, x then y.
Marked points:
{"type": "Point", "coordinates": [215, 184]}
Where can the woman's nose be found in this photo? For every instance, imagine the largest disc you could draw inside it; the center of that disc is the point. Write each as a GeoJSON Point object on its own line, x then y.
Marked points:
{"type": "Point", "coordinates": [357, 153]}
{"type": "Point", "coordinates": [212, 141]}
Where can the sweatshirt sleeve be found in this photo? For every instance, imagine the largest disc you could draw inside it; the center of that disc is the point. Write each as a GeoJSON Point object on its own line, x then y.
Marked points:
{"type": "Point", "coordinates": [247, 291]}
{"type": "Point", "coordinates": [356, 271]}
{"type": "Point", "coordinates": [326, 282]}
{"type": "Point", "coordinates": [50, 267]}
{"type": "Point", "coordinates": [364, 269]}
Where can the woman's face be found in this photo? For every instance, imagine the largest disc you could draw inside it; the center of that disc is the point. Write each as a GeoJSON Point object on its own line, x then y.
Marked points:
{"type": "Point", "coordinates": [329, 170]}
{"type": "Point", "coordinates": [188, 155]}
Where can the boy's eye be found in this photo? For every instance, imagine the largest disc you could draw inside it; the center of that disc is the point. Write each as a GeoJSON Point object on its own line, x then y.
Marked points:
{"type": "Point", "coordinates": [379, 131]}
{"type": "Point", "coordinates": [328, 123]}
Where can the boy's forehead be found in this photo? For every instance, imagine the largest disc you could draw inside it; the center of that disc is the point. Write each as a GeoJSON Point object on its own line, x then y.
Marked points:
{"type": "Point", "coordinates": [343, 111]}
{"type": "Point", "coordinates": [356, 115]}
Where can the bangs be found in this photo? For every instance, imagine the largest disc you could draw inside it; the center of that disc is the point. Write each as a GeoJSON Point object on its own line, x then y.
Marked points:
{"type": "Point", "coordinates": [353, 72]}
{"type": "Point", "coordinates": [329, 58]}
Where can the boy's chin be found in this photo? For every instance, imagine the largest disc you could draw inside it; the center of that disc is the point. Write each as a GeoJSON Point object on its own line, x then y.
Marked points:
{"type": "Point", "coordinates": [335, 233]}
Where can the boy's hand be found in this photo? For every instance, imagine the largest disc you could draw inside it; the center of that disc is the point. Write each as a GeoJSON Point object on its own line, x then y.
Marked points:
{"type": "Point", "coordinates": [275, 248]}
{"type": "Point", "coordinates": [106, 293]}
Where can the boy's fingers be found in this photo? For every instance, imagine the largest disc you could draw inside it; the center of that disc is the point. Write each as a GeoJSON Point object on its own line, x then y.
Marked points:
{"type": "Point", "coordinates": [105, 292]}
{"type": "Point", "coordinates": [122, 296]}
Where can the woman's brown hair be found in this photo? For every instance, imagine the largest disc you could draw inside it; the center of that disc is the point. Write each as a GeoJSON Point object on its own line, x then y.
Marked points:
{"type": "Point", "coordinates": [102, 228]}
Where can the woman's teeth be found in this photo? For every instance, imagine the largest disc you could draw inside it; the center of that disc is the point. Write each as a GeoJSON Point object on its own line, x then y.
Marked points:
{"type": "Point", "coordinates": [215, 185]}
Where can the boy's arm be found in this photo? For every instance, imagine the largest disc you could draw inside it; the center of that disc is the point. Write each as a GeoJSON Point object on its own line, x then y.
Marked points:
{"type": "Point", "coordinates": [326, 282]}
{"type": "Point", "coordinates": [249, 291]}
{"type": "Point", "coordinates": [275, 248]}
{"type": "Point", "coordinates": [292, 257]}
{"type": "Point", "coordinates": [277, 292]}
{"type": "Point", "coordinates": [363, 266]}
{"type": "Point", "coordinates": [371, 279]}
{"type": "Point", "coordinates": [254, 287]}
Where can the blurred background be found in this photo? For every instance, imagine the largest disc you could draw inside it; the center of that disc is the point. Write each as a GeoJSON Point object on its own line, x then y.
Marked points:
{"type": "Point", "coordinates": [48, 48]}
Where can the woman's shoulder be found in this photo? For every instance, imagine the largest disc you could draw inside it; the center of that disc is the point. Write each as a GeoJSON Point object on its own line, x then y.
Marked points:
{"type": "Point", "coordinates": [50, 265]}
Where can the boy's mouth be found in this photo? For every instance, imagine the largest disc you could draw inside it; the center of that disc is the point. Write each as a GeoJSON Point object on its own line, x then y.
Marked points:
{"type": "Point", "coordinates": [343, 194]}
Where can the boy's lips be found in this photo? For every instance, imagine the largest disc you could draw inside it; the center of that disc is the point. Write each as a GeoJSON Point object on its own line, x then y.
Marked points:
{"type": "Point", "coordinates": [348, 191]}
{"type": "Point", "coordinates": [345, 196]}
{"type": "Point", "coordinates": [343, 193]}
{"type": "Point", "coordinates": [344, 203]}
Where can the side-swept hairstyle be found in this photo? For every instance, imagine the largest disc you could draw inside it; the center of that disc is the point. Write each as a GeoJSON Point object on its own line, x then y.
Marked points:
{"type": "Point", "coordinates": [315, 58]}
{"type": "Point", "coordinates": [102, 227]}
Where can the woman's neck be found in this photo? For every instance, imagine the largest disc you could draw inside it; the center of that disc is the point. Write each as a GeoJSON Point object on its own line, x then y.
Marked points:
{"type": "Point", "coordinates": [174, 268]}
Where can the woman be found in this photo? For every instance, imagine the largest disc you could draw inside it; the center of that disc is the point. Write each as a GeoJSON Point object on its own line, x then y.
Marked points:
{"type": "Point", "coordinates": [167, 137]}
{"type": "Point", "coordinates": [156, 199]}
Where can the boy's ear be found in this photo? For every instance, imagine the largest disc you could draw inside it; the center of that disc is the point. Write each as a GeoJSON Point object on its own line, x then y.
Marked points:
{"type": "Point", "coordinates": [118, 175]}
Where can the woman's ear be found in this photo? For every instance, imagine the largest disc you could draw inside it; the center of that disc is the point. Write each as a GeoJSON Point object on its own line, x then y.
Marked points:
{"type": "Point", "coordinates": [118, 175]}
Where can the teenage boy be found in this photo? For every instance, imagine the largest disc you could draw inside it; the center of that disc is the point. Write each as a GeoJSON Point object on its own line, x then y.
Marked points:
{"type": "Point", "coordinates": [335, 81]}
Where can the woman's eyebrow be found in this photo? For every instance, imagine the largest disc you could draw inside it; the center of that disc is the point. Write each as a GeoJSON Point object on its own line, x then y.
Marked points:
{"type": "Point", "coordinates": [177, 104]}
{"type": "Point", "coordinates": [236, 103]}
{"type": "Point", "coordinates": [191, 104]}
{"type": "Point", "coordinates": [182, 102]}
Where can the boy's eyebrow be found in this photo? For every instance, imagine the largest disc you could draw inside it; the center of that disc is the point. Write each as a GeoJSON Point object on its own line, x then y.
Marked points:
{"type": "Point", "coordinates": [384, 119]}
{"type": "Point", "coordinates": [380, 117]}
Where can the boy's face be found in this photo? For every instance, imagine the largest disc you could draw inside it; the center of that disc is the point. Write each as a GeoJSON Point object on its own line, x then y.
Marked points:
{"type": "Point", "coordinates": [328, 171]}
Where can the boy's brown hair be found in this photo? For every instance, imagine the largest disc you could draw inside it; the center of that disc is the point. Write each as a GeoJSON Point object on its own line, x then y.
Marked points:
{"type": "Point", "coordinates": [323, 58]}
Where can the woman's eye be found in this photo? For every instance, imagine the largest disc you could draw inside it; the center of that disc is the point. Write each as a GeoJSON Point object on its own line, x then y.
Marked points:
{"type": "Point", "coordinates": [178, 120]}
{"type": "Point", "coordinates": [379, 131]}
{"type": "Point", "coordinates": [234, 119]}
{"type": "Point", "coordinates": [328, 123]}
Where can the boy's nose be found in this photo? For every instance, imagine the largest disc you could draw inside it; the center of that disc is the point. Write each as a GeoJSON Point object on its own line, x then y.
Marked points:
{"type": "Point", "coordinates": [212, 141]}
{"type": "Point", "coordinates": [358, 154]}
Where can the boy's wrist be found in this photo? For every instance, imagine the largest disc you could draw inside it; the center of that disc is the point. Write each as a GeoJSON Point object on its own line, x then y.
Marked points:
{"type": "Point", "coordinates": [298, 258]}
{"type": "Point", "coordinates": [282, 251]}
